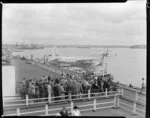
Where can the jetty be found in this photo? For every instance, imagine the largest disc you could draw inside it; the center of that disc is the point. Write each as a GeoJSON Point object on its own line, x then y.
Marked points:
{"type": "Point", "coordinates": [55, 69]}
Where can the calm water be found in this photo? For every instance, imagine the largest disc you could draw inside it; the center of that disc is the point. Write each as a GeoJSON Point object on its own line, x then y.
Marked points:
{"type": "Point", "coordinates": [126, 65]}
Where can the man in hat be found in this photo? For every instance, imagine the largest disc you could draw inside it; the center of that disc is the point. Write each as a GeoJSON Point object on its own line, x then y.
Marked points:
{"type": "Point", "coordinates": [142, 86]}
{"type": "Point", "coordinates": [76, 111]}
{"type": "Point", "coordinates": [64, 111]}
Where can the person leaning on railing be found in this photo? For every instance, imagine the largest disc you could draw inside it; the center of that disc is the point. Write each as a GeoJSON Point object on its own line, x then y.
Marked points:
{"type": "Point", "coordinates": [142, 86]}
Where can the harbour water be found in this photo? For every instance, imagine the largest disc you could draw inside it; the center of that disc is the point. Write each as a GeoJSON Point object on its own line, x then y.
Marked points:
{"type": "Point", "coordinates": [127, 65]}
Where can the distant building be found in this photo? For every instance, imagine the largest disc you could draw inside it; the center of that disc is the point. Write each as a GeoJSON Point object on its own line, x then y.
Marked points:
{"type": "Point", "coordinates": [8, 81]}
{"type": "Point", "coordinates": [6, 57]}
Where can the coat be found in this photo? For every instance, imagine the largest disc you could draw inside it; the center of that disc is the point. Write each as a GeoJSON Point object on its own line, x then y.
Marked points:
{"type": "Point", "coordinates": [49, 89]}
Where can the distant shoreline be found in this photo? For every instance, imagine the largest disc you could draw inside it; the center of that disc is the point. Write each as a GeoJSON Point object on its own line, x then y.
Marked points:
{"type": "Point", "coordinates": [96, 46]}
{"type": "Point", "coordinates": [82, 46]}
{"type": "Point", "coordinates": [77, 46]}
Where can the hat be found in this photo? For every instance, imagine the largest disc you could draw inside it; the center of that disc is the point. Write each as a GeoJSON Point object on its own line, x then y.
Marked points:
{"type": "Point", "coordinates": [75, 107]}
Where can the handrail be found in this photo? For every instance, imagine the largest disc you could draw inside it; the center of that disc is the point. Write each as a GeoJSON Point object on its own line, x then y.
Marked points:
{"type": "Point", "coordinates": [14, 105]}
{"type": "Point", "coordinates": [104, 107]}
{"type": "Point", "coordinates": [140, 109]}
{"type": "Point", "coordinates": [90, 108]}
{"type": "Point", "coordinates": [86, 105]}
{"type": "Point", "coordinates": [144, 99]}
{"type": "Point", "coordinates": [10, 115]}
{"type": "Point", "coordinates": [39, 98]}
{"type": "Point", "coordinates": [131, 111]}
{"type": "Point", "coordinates": [13, 100]}
{"type": "Point", "coordinates": [126, 104]}
{"type": "Point", "coordinates": [33, 112]}
{"type": "Point", "coordinates": [132, 107]}
{"type": "Point", "coordinates": [65, 96]}
{"type": "Point", "coordinates": [38, 103]}
{"type": "Point", "coordinates": [104, 103]}
{"type": "Point", "coordinates": [132, 89]}
{"type": "Point", "coordinates": [108, 95]}
{"type": "Point", "coordinates": [125, 108]}
{"type": "Point", "coordinates": [61, 96]}
{"type": "Point", "coordinates": [10, 96]}
{"type": "Point", "coordinates": [130, 99]}
{"type": "Point", "coordinates": [56, 109]}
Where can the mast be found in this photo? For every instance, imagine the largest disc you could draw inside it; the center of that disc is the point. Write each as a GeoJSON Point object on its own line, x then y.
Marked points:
{"type": "Point", "coordinates": [103, 65]}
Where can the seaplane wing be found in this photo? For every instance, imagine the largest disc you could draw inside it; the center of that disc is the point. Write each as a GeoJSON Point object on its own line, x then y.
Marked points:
{"type": "Point", "coordinates": [93, 62]}
{"type": "Point", "coordinates": [56, 59]}
{"type": "Point", "coordinates": [96, 63]}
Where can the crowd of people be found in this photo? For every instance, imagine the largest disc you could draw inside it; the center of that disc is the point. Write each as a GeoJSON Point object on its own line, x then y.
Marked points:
{"type": "Point", "coordinates": [63, 85]}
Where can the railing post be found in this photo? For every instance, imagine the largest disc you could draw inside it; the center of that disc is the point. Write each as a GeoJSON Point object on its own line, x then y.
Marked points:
{"type": "Point", "coordinates": [94, 104]}
{"type": "Point", "coordinates": [71, 106]}
{"type": "Point", "coordinates": [46, 110]}
{"type": "Point", "coordinates": [136, 96]}
{"type": "Point", "coordinates": [18, 111]}
{"type": "Point", "coordinates": [134, 106]}
{"type": "Point", "coordinates": [49, 98]}
{"type": "Point", "coordinates": [89, 93]}
{"type": "Point", "coordinates": [106, 92]}
{"type": "Point", "coordinates": [118, 91]}
{"type": "Point", "coordinates": [122, 92]}
{"type": "Point", "coordinates": [118, 101]}
{"type": "Point", "coordinates": [70, 99]}
{"type": "Point", "coordinates": [27, 100]}
{"type": "Point", "coordinates": [115, 100]}
{"type": "Point", "coordinates": [80, 95]}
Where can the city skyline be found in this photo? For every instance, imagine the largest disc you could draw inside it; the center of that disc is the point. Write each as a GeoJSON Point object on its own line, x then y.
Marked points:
{"type": "Point", "coordinates": [74, 24]}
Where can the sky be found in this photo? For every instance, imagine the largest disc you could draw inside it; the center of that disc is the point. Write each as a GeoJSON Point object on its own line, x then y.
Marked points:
{"type": "Point", "coordinates": [75, 23]}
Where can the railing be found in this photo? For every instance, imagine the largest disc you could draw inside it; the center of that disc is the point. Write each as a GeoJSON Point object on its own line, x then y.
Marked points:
{"type": "Point", "coordinates": [132, 89]}
{"type": "Point", "coordinates": [139, 99]}
{"type": "Point", "coordinates": [116, 102]}
{"type": "Point", "coordinates": [134, 108]}
{"type": "Point", "coordinates": [135, 101]}
{"type": "Point", "coordinates": [94, 107]}
{"type": "Point", "coordinates": [49, 99]}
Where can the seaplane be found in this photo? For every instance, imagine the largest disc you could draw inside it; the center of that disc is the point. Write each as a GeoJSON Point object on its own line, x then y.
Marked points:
{"type": "Point", "coordinates": [96, 58]}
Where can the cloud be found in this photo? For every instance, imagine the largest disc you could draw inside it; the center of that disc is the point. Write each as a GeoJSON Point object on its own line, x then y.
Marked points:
{"type": "Point", "coordinates": [75, 23]}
